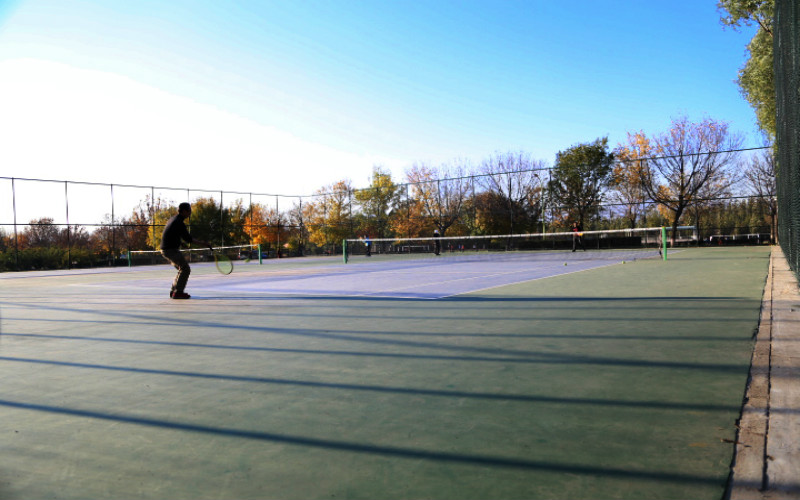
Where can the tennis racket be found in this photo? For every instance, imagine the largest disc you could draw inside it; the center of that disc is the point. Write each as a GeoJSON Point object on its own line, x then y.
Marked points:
{"type": "Point", "coordinates": [223, 262]}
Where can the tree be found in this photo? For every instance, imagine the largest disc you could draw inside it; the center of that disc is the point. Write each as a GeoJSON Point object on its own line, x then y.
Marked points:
{"type": "Point", "coordinates": [760, 178]}
{"type": "Point", "coordinates": [75, 237]}
{"type": "Point", "coordinates": [491, 213]}
{"type": "Point", "coordinates": [441, 194]}
{"type": "Point", "coordinates": [298, 232]}
{"type": "Point", "coordinates": [409, 216]}
{"type": "Point", "coordinates": [41, 233]}
{"type": "Point", "coordinates": [266, 226]}
{"type": "Point", "coordinates": [207, 221]}
{"type": "Point", "coordinates": [103, 238]}
{"type": "Point", "coordinates": [579, 178]}
{"type": "Point", "coordinates": [328, 216]}
{"type": "Point", "coordinates": [518, 184]}
{"type": "Point", "coordinates": [712, 196]}
{"type": "Point", "coordinates": [234, 218]}
{"type": "Point", "coordinates": [756, 77]}
{"type": "Point", "coordinates": [219, 225]}
{"type": "Point", "coordinates": [155, 213]}
{"type": "Point", "coordinates": [134, 231]}
{"type": "Point", "coordinates": [626, 177]}
{"type": "Point", "coordinates": [377, 203]}
{"type": "Point", "coordinates": [693, 166]}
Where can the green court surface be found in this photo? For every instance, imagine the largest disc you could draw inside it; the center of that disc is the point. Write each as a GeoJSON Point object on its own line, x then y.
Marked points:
{"type": "Point", "coordinates": [623, 381]}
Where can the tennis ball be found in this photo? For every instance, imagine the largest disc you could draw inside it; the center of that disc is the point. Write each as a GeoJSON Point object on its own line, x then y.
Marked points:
{"type": "Point", "coordinates": [565, 263]}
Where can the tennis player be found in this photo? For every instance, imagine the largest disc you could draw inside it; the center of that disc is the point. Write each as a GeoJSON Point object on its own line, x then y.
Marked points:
{"type": "Point", "coordinates": [436, 244]}
{"type": "Point", "coordinates": [174, 232]}
{"type": "Point", "coordinates": [577, 236]}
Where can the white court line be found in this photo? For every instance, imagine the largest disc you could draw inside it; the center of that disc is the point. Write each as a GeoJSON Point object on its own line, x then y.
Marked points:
{"type": "Point", "coordinates": [532, 279]}
{"type": "Point", "coordinates": [469, 278]}
{"type": "Point", "coordinates": [392, 292]}
{"type": "Point", "coordinates": [545, 277]}
{"type": "Point", "coordinates": [482, 276]}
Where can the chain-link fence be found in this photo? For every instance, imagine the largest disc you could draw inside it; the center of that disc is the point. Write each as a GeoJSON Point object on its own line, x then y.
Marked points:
{"type": "Point", "coordinates": [787, 93]}
{"type": "Point", "coordinates": [47, 224]}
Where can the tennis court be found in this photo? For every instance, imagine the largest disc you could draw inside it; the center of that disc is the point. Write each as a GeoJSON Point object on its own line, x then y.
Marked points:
{"type": "Point", "coordinates": [401, 276]}
{"type": "Point", "coordinates": [543, 376]}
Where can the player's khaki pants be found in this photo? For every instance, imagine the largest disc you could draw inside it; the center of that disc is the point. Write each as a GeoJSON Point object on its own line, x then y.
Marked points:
{"type": "Point", "coordinates": [176, 258]}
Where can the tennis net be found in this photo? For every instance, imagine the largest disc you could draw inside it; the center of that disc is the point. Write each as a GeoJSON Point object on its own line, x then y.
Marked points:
{"type": "Point", "coordinates": [235, 252]}
{"type": "Point", "coordinates": [639, 243]}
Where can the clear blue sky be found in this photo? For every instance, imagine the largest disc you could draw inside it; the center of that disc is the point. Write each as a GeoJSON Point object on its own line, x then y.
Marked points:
{"type": "Point", "coordinates": [288, 96]}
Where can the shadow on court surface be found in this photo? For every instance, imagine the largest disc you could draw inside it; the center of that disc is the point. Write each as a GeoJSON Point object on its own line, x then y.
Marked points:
{"type": "Point", "coordinates": [616, 381]}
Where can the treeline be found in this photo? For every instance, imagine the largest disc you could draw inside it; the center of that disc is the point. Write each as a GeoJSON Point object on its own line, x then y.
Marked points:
{"type": "Point", "coordinates": [693, 174]}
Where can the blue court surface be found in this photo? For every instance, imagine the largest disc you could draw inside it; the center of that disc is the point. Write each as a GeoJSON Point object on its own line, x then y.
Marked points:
{"type": "Point", "coordinates": [417, 277]}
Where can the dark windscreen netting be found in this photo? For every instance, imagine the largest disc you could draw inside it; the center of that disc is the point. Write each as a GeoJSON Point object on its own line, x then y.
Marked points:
{"type": "Point", "coordinates": [787, 93]}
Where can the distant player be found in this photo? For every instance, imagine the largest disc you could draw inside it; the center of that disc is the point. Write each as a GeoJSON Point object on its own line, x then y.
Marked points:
{"type": "Point", "coordinates": [437, 246]}
{"type": "Point", "coordinates": [174, 232]}
{"type": "Point", "coordinates": [368, 245]}
{"type": "Point", "coordinates": [577, 237]}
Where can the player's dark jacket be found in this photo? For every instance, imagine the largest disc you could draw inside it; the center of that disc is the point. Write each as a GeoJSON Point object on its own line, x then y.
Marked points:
{"type": "Point", "coordinates": [174, 232]}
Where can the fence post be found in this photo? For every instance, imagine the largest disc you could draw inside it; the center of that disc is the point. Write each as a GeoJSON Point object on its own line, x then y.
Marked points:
{"type": "Point", "coordinates": [113, 232]}
{"type": "Point", "coordinates": [153, 214]}
{"type": "Point", "coordinates": [408, 213]}
{"type": "Point", "coordinates": [250, 223]}
{"type": "Point", "coordinates": [14, 210]}
{"type": "Point", "coordinates": [69, 243]}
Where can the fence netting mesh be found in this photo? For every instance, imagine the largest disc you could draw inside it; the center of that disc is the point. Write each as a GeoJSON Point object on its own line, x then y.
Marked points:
{"type": "Point", "coordinates": [787, 93]}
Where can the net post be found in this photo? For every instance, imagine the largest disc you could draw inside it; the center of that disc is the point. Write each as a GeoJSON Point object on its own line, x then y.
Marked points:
{"type": "Point", "coordinates": [344, 251]}
{"type": "Point", "coordinates": [664, 242]}
{"type": "Point", "coordinates": [259, 254]}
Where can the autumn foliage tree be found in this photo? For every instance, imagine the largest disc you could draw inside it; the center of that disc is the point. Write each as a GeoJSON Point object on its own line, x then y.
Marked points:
{"type": "Point", "coordinates": [158, 211]}
{"type": "Point", "coordinates": [376, 204]}
{"type": "Point", "coordinates": [693, 164]}
{"type": "Point", "coordinates": [409, 216]}
{"type": "Point", "coordinates": [328, 218]}
{"type": "Point", "coordinates": [441, 194]}
{"type": "Point", "coordinates": [41, 233]}
{"type": "Point", "coordinates": [626, 177]}
{"type": "Point", "coordinates": [266, 226]}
